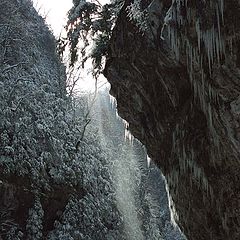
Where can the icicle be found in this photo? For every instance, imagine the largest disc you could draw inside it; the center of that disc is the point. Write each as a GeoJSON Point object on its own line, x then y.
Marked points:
{"type": "Point", "coordinates": [198, 31]}
{"type": "Point", "coordinates": [148, 161]}
{"type": "Point", "coordinates": [113, 101]}
{"type": "Point", "coordinates": [211, 194]}
{"type": "Point", "coordinates": [221, 7]}
{"type": "Point", "coordinates": [210, 117]}
{"type": "Point", "coordinates": [127, 134]}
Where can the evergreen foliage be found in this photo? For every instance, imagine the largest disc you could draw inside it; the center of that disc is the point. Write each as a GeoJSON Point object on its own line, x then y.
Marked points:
{"type": "Point", "coordinates": [33, 103]}
{"type": "Point", "coordinates": [89, 22]}
{"type": "Point", "coordinates": [34, 223]}
{"type": "Point", "coordinates": [90, 26]}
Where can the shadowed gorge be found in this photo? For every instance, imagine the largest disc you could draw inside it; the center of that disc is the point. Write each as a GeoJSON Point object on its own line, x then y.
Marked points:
{"type": "Point", "coordinates": [69, 168]}
{"type": "Point", "coordinates": [157, 160]}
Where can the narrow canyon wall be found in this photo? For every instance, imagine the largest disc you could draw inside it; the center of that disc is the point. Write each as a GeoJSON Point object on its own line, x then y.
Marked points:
{"type": "Point", "coordinates": [177, 84]}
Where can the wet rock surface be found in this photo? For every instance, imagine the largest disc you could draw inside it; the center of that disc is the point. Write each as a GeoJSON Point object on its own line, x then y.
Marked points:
{"type": "Point", "coordinates": [180, 95]}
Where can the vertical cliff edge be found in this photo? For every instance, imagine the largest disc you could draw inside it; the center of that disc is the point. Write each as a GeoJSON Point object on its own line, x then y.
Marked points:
{"type": "Point", "coordinates": [177, 84]}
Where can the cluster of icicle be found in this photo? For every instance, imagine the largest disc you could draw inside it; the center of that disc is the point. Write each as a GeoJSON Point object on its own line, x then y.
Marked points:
{"type": "Point", "coordinates": [202, 43]}
{"type": "Point", "coordinates": [197, 36]}
{"type": "Point", "coordinates": [187, 162]}
{"type": "Point", "coordinates": [209, 39]}
{"type": "Point", "coordinates": [127, 135]}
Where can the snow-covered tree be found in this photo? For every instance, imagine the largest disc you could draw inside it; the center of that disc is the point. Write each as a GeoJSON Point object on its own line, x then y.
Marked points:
{"type": "Point", "coordinates": [90, 23]}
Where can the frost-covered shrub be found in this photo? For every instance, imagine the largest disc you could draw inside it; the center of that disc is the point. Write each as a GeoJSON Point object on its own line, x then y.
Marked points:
{"type": "Point", "coordinates": [95, 216]}
{"type": "Point", "coordinates": [138, 15]}
{"type": "Point", "coordinates": [14, 234]}
{"type": "Point", "coordinates": [7, 223]}
{"type": "Point", "coordinates": [34, 225]}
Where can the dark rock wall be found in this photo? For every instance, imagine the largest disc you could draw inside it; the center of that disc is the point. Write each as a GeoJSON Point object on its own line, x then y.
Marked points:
{"type": "Point", "coordinates": [178, 87]}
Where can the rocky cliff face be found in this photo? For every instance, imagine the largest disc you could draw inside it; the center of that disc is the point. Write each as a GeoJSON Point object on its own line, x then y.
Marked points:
{"type": "Point", "coordinates": [177, 84]}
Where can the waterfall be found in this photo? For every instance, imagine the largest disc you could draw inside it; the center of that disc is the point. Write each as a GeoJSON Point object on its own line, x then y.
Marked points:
{"type": "Point", "coordinates": [124, 168]}
{"type": "Point", "coordinates": [126, 196]}
{"type": "Point", "coordinates": [139, 187]}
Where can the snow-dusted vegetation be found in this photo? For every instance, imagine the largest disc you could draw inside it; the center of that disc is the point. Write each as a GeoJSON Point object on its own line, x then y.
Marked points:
{"type": "Point", "coordinates": [38, 127]}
